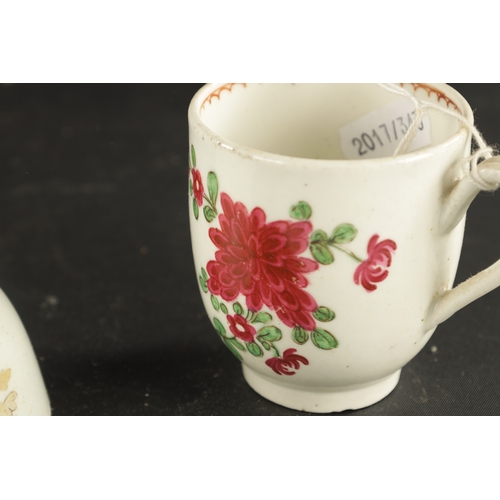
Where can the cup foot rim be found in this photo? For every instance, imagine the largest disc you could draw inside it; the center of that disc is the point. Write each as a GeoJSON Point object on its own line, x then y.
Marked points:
{"type": "Point", "coordinates": [324, 400]}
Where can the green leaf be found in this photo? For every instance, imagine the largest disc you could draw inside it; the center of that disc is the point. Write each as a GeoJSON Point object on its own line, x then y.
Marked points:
{"type": "Point", "coordinates": [301, 211]}
{"type": "Point", "coordinates": [319, 236]}
{"type": "Point", "coordinates": [203, 284]}
{"type": "Point", "coordinates": [219, 327]}
{"type": "Point", "coordinates": [234, 341]}
{"type": "Point", "coordinates": [215, 302]}
{"type": "Point", "coordinates": [323, 339]}
{"type": "Point", "coordinates": [196, 209]}
{"type": "Point", "coordinates": [210, 213]}
{"type": "Point", "coordinates": [213, 187]}
{"type": "Point", "coordinates": [254, 349]}
{"type": "Point", "coordinates": [267, 345]}
{"type": "Point", "coordinates": [269, 333]}
{"type": "Point", "coordinates": [321, 253]}
{"type": "Point", "coordinates": [343, 234]}
{"type": "Point", "coordinates": [203, 280]}
{"type": "Point", "coordinates": [193, 156]}
{"type": "Point", "coordinates": [299, 335]}
{"type": "Point", "coordinates": [324, 314]}
{"type": "Point", "coordinates": [262, 317]}
{"type": "Point", "coordinates": [230, 346]}
{"type": "Point", "coordinates": [238, 308]}
{"type": "Point", "coordinates": [223, 308]}
{"type": "Point", "coordinates": [191, 191]}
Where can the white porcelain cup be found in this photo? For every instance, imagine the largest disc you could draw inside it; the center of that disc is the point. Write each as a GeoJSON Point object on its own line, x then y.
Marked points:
{"type": "Point", "coordinates": [325, 264]}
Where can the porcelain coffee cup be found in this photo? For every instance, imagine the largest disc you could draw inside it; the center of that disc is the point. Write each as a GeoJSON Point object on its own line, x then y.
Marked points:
{"type": "Point", "coordinates": [324, 262]}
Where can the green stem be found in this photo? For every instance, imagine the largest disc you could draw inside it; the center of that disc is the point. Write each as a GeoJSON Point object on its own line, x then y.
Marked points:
{"type": "Point", "coordinates": [250, 316]}
{"type": "Point", "coordinates": [347, 252]}
{"type": "Point", "coordinates": [272, 347]}
{"type": "Point", "coordinates": [276, 352]}
{"type": "Point", "coordinates": [207, 199]}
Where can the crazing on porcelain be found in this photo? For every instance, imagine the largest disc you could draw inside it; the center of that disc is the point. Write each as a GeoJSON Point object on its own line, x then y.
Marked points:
{"type": "Point", "coordinates": [9, 404]}
{"type": "Point", "coordinates": [258, 273]}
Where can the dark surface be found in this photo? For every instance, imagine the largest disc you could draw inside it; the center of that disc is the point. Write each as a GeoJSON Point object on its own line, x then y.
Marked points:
{"type": "Point", "coordinates": [95, 256]}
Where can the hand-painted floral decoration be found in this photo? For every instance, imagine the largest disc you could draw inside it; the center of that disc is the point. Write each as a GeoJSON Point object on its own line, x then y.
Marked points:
{"type": "Point", "coordinates": [261, 261]}
{"type": "Point", "coordinates": [375, 268]}
{"type": "Point", "coordinates": [282, 365]}
{"type": "Point", "coordinates": [259, 269]}
{"type": "Point", "coordinates": [241, 328]}
{"type": "Point", "coordinates": [198, 189]}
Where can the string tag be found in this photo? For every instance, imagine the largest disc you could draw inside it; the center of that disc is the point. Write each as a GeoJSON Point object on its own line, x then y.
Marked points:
{"type": "Point", "coordinates": [469, 164]}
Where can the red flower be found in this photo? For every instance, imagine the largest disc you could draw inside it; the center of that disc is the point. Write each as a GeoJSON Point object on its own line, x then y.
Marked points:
{"type": "Point", "coordinates": [288, 360]}
{"type": "Point", "coordinates": [198, 189]}
{"type": "Point", "coordinates": [260, 260]}
{"type": "Point", "coordinates": [241, 328]}
{"type": "Point", "coordinates": [374, 268]}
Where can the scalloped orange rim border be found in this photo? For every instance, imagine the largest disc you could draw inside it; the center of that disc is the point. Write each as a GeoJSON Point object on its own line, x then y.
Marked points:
{"type": "Point", "coordinates": [416, 86]}
{"type": "Point", "coordinates": [217, 92]}
{"type": "Point", "coordinates": [433, 90]}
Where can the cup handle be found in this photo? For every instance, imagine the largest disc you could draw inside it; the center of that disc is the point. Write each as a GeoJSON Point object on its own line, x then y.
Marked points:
{"type": "Point", "coordinates": [449, 301]}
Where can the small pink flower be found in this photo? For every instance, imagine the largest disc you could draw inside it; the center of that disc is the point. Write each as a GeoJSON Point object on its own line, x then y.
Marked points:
{"type": "Point", "coordinates": [374, 268]}
{"type": "Point", "coordinates": [288, 360]}
{"type": "Point", "coordinates": [198, 189]}
{"type": "Point", "coordinates": [241, 328]}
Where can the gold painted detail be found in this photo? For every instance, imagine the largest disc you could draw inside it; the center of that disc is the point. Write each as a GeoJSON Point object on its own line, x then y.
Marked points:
{"type": "Point", "coordinates": [9, 404]}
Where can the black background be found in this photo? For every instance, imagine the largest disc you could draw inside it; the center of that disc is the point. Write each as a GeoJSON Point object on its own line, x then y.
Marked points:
{"type": "Point", "coordinates": [95, 256]}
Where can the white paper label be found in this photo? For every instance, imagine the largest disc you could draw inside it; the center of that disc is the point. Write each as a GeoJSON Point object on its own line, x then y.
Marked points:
{"type": "Point", "coordinates": [378, 134]}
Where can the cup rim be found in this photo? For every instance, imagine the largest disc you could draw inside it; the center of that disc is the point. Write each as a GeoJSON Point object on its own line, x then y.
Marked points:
{"type": "Point", "coordinates": [195, 119]}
